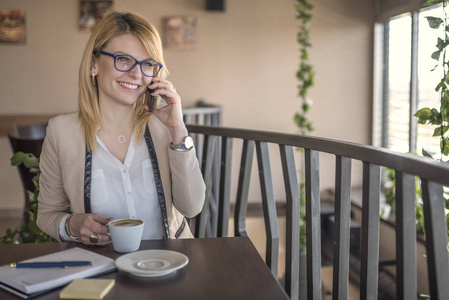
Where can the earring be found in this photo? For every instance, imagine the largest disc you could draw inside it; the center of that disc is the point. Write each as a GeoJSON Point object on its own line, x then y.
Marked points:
{"type": "Point", "coordinates": [93, 76]}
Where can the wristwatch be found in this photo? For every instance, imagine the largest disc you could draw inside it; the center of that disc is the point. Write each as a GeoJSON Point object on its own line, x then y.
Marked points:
{"type": "Point", "coordinates": [185, 145]}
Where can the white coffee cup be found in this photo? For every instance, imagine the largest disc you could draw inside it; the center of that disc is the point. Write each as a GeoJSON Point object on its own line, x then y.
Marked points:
{"type": "Point", "coordinates": [126, 234]}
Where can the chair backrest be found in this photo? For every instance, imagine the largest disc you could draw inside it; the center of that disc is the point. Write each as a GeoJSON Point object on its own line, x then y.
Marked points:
{"type": "Point", "coordinates": [34, 131]}
{"type": "Point", "coordinates": [202, 114]}
{"type": "Point", "coordinates": [219, 141]}
{"type": "Point", "coordinates": [28, 139]}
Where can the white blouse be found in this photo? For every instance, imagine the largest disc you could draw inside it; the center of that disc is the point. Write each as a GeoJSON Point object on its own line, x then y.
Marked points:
{"type": "Point", "coordinates": [124, 190]}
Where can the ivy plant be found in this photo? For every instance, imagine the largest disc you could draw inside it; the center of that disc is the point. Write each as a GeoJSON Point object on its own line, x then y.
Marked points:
{"type": "Point", "coordinates": [305, 73]}
{"type": "Point", "coordinates": [305, 76]}
{"type": "Point", "coordinates": [439, 116]}
{"type": "Point", "coordinates": [28, 232]}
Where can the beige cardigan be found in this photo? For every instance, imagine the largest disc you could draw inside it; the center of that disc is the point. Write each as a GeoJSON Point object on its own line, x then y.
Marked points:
{"type": "Point", "coordinates": [62, 164]}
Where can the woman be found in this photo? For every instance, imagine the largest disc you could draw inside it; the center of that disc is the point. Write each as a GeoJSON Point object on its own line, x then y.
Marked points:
{"type": "Point", "coordinates": [113, 159]}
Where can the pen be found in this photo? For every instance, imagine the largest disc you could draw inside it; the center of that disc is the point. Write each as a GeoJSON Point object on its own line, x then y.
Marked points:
{"type": "Point", "coordinates": [51, 264]}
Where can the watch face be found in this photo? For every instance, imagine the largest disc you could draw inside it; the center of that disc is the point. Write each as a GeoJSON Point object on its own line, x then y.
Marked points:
{"type": "Point", "coordinates": [188, 142]}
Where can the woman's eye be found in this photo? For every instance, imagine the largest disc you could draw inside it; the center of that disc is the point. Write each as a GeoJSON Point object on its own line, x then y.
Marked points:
{"type": "Point", "coordinates": [123, 59]}
{"type": "Point", "coordinates": [148, 63]}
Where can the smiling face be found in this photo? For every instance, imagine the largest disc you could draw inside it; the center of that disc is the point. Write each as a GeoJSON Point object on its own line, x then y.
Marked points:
{"type": "Point", "coordinates": [116, 87]}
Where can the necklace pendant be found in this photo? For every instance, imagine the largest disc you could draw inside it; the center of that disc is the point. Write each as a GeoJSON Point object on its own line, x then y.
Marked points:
{"type": "Point", "coordinates": [121, 139]}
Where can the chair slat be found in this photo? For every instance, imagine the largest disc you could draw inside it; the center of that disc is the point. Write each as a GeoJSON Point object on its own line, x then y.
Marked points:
{"type": "Point", "coordinates": [207, 119]}
{"type": "Point", "coordinates": [206, 168]}
{"type": "Point", "coordinates": [269, 207]}
{"type": "Point", "coordinates": [217, 119]}
{"type": "Point", "coordinates": [215, 189]}
{"type": "Point", "coordinates": [313, 224]}
{"type": "Point", "coordinates": [241, 202]}
{"type": "Point", "coordinates": [405, 237]}
{"type": "Point", "coordinates": [342, 228]}
{"type": "Point", "coordinates": [370, 232]}
{"type": "Point", "coordinates": [187, 118]}
{"type": "Point", "coordinates": [225, 187]}
{"type": "Point", "coordinates": [292, 220]}
{"type": "Point", "coordinates": [436, 237]}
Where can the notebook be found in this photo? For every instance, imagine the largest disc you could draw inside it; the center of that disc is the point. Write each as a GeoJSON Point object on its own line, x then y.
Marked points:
{"type": "Point", "coordinates": [30, 282]}
{"type": "Point", "coordinates": [87, 289]}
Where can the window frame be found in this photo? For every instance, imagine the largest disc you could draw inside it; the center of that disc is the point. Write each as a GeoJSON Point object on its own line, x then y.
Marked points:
{"type": "Point", "coordinates": [381, 97]}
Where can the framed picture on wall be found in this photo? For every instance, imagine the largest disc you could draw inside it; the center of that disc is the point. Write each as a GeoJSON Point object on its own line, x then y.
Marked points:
{"type": "Point", "coordinates": [12, 26]}
{"type": "Point", "coordinates": [91, 12]}
{"type": "Point", "coordinates": [179, 33]}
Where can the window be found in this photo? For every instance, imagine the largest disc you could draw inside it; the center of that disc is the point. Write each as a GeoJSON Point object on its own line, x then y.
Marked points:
{"type": "Point", "coordinates": [405, 82]}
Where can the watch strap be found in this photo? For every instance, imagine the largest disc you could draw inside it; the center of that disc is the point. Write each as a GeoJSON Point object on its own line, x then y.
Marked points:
{"type": "Point", "coordinates": [185, 145]}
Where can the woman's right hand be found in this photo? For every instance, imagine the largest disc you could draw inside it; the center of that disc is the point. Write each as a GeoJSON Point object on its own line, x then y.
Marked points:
{"type": "Point", "coordinates": [83, 226]}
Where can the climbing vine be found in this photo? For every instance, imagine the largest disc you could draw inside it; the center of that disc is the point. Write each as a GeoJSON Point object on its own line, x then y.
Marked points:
{"type": "Point", "coordinates": [305, 73]}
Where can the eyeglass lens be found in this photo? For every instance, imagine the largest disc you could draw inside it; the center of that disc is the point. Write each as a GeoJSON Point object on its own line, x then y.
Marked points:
{"type": "Point", "coordinates": [125, 63]}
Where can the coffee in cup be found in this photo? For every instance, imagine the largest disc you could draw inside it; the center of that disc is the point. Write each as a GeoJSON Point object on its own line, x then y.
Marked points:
{"type": "Point", "coordinates": [127, 222]}
{"type": "Point", "coordinates": [126, 234]}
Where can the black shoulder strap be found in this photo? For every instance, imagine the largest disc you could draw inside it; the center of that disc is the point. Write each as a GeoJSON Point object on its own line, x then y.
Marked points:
{"type": "Point", "coordinates": [87, 180]}
{"type": "Point", "coordinates": [158, 181]}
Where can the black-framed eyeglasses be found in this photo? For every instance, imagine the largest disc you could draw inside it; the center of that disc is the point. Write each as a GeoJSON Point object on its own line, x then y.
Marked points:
{"type": "Point", "coordinates": [125, 63]}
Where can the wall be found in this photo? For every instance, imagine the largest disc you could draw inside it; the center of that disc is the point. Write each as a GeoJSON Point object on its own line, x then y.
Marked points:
{"type": "Point", "coordinates": [245, 60]}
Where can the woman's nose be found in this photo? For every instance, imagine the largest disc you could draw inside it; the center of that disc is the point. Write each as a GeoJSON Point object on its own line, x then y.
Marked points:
{"type": "Point", "coordinates": [135, 72]}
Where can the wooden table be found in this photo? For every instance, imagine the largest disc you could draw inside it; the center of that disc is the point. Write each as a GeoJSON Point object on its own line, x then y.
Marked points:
{"type": "Point", "coordinates": [218, 268]}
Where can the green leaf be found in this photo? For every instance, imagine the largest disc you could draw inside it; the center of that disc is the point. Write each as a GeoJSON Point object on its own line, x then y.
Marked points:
{"type": "Point", "coordinates": [435, 118]}
{"type": "Point", "coordinates": [426, 154]}
{"type": "Point", "coordinates": [28, 159]}
{"type": "Point", "coordinates": [31, 162]}
{"type": "Point", "coordinates": [437, 131]}
{"type": "Point", "coordinates": [34, 229]}
{"type": "Point", "coordinates": [305, 107]}
{"type": "Point", "coordinates": [309, 126]}
{"type": "Point", "coordinates": [18, 158]}
{"type": "Point", "coordinates": [434, 22]}
{"type": "Point", "coordinates": [441, 44]}
{"type": "Point", "coordinates": [423, 113]}
{"type": "Point", "coordinates": [440, 85]}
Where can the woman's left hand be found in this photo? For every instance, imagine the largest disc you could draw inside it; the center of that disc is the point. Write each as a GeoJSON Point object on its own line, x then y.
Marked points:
{"type": "Point", "coordinates": [171, 114]}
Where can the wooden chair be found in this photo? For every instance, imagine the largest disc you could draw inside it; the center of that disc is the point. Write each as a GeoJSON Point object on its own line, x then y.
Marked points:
{"type": "Point", "coordinates": [28, 139]}
{"type": "Point", "coordinates": [219, 142]}
{"type": "Point", "coordinates": [210, 115]}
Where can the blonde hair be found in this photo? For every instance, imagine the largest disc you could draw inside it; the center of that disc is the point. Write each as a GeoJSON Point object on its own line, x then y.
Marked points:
{"type": "Point", "coordinates": [112, 25]}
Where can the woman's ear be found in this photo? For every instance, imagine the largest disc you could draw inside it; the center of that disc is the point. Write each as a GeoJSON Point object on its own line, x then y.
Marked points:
{"type": "Point", "coordinates": [93, 66]}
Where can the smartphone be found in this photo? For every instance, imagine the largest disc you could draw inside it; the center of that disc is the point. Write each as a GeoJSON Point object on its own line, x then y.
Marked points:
{"type": "Point", "coordinates": [151, 100]}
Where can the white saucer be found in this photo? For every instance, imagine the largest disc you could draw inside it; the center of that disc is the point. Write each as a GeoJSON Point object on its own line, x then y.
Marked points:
{"type": "Point", "coordinates": [151, 263]}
